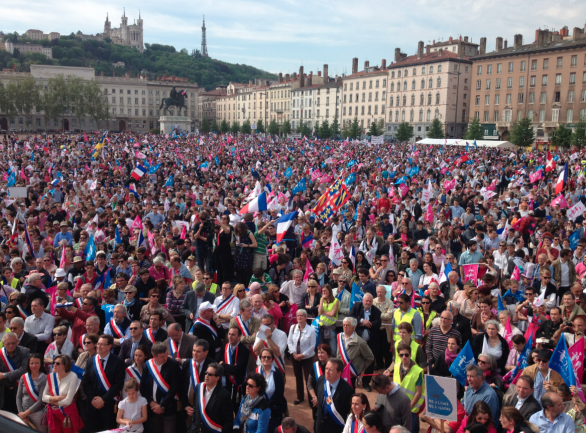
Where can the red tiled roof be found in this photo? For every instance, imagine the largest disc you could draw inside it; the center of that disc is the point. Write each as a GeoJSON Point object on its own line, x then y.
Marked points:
{"type": "Point", "coordinates": [362, 73]}
{"type": "Point", "coordinates": [434, 56]}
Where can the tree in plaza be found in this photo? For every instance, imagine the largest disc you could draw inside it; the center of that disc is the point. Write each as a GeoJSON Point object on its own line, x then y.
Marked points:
{"type": "Point", "coordinates": [522, 133]}
{"type": "Point", "coordinates": [75, 92]}
{"type": "Point", "coordinates": [315, 129]}
{"type": "Point", "coordinates": [205, 126]}
{"type": "Point", "coordinates": [214, 126]}
{"type": "Point", "coordinates": [95, 102]}
{"type": "Point", "coordinates": [224, 127]}
{"type": "Point", "coordinates": [562, 136]}
{"type": "Point", "coordinates": [335, 127]}
{"type": "Point", "coordinates": [579, 135]}
{"type": "Point", "coordinates": [286, 127]}
{"type": "Point", "coordinates": [355, 130]}
{"type": "Point", "coordinates": [324, 130]}
{"type": "Point", "coordinates": [436, 131]}
{"type": "Point", "coordinates": [25, 96]}
{"type": "Point", "coordinates": [235, 127]}
{"type": "Point", "coordinates": [404, 132]}
{"type": "Point", "coordinates": [245, 129]}
{"type": "Point", "coordinates": [374, 130]}
{"type": "Point", "coordinates": [303, 129]}
{"type": "Point", "coordinates": [273, 127]}
{"type": "Point", "coordinates": [55, 98]}
{"type": "Point", "coordinates": [474, 131]}
{"type": "Point", "coordinates": [260, 127]}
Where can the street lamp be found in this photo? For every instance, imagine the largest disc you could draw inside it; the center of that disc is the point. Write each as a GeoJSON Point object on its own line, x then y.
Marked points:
{"type": "Point", "coordinates": [457, 90]}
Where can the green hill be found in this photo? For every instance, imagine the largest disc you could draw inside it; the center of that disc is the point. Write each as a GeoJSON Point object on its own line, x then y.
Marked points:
{"type": "Point", "coordinates": [156, 59]}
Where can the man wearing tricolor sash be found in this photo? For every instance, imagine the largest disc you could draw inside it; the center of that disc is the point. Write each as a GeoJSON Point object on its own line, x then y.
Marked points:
{"type": "Point", "coordinates": [333, 399]}
{"type": "Point", "coordinates": [160, 387]}
{"type": "Point", "coordinates": [102, 382]}
{"type": "Point", "coordinates": [13, 360]}
{"type": "Point", "coordinates": [352, 349]}
{"type": "Point", "coordinates": [180, 343]}
{"type": "Point", "coordinates": [207, 326]}
{"type": "Point", "coordinates": [288, 425]}
{"type": "Point", "coordinates": [212, 412]}
{"type": "Point", "coordinates": [275, 339]}
{"type": "Point", "coordinates": [192, 373]}
{"type": "Point", "coordinates": [227, 305]}
{"type": "Point", "coordinates": [248, 326]}
{"type": "Point", "coordinates": [234, 361]}
{"type": "Point", "coordinates": [118, 327]}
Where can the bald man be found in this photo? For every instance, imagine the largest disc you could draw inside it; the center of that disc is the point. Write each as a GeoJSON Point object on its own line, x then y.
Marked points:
{"type": "Point", "coordinates": [369, 320]}
{"type": "Point", "coordinates": [257, 309]}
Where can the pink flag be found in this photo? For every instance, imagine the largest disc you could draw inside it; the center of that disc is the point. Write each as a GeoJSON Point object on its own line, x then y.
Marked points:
{"type": "Point", "coordinates": [516, 274]}
{"type": "Point", "coordinates": [470, 272]}
{"type": "Point", "coordinates": [577, 355]}
{"type": "Point", "coordinates": [429, 213]}
{"type": "Point", "coordinates": [137, 224]}
{"type": "Point", "coordinates": [152, 243]}
{"type": "Point", "coordinates": [561, 200]}
{"type": "Point", "coordinates": [22, 173]}
{"type": "Point", "coordinates": [444, 170]}
{"type": "Point", "coordinates": [449, 185]}
{"type": "Point", "coordinates": [492, 186]}
{"type": "Point", "coordinates": [347, 375]}
{"type": "Point", "coordinates": [404, 189]}
{"type": "Point", "coordinates": [315, 175]}
{"type": "Point", "coordinates": [534, 177]}
{"type": "Point", "coordinates": [508, 334]}
{"type": "Point", "coordinates": [5, 177]}
{"type": "Point", "coordinates": [308, 271]}
{"type": "Point", "coordinates": [183, 233]}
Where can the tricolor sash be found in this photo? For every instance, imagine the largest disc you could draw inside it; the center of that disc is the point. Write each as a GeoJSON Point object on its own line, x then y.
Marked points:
{"type": "Point", "coordinates": [228, 360]}
{"type": "Point", "coordinates": [201, 404]}
{"type": "Point", "coordinates": [330, 406]}
{"type": "Point", "coordinates": [116, 329]}
{"type": "Point", "coordinates": [157, 377]}
{"type": "Point", "coordinates": [278, 360]}
{"type": "Point", "coordinates": [81, 341]}
{"type": "Point", "coordinates": [148, 333]}
{"type": "Point", "coordinates": [224, 303]}
{"type": "Point", "coordinates": [79, 302]}
{"type": "Point", "coordinates": [194, 374]}
{"type": "Point", "coordinates": [133, 372]}
{"type": "Point", "coordinates": [173, 348]}
{"type": "Point", "coordinates": [355, 426]}
{"type": "Point", "coordinates": [344, 355]}
{"type": "Point", "coordinates": [101, 374]}
{"type": "Point", "coordinates": [53, 384]}
{"type": "Point", "coordinates": [29, 385]}
{"type": "Point", "coordinates": [6, 360]}
{"type": "Point", "coordinates": [243, 328]}
{"type": "Point", "coordinates": [22, 312]}
{"type": "Point", "coordinates": [317, 371]}
{"type": "Point", "coordinates": [208, 326]}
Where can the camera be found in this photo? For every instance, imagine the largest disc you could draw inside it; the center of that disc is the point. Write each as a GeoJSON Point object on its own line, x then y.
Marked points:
{"type": "Point", "coordinates": [567, 323]}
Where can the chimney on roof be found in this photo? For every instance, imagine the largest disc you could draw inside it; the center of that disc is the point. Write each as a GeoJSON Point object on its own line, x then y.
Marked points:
{"type": "Point", "coordinates": [354, 65]}
{"type": "Point", "coordinates": [564, 31]}
{"type": "Point", "coordinates": [451, 39]}
{"type": "Point", "coordinates": [301, 77]}
{"type": "Point", "coordinates": [541, 37]}
{"type": "Point", "coordinates": [577, 33]}
{"type": "Point", "coordinates": [460, 37]}
{"type": "Point", "coordinates": [250, 82]}
{"type": "Point", "coordinates": [427, 49]}
{"type": "Point", "coordinates": [294, 76]}
{"type": "Point", "coordinates": [441, 51]}
{"type": "Point", "coordinates": [287, 77]}
{"type": "Point", "coordinates": [310, 79]}
{"type": "Point", "coordinates": [397, 54]}
{"type": "Point", "coordinates": [460, 49]}
{"type": "Point", "coordinates": [383, 64]}
{"type": "Point", "coordinates": [326, 78]}
{"type": "Point", "coordinates": [518, 41]}
{"type": "Point", "coordinates": [499, 44]}
{"type": "Point", "coordinates": [319, 73]}
{"type": "Point", "coordinates": [506, 44]}
{"type": "Point", "coordinates": [482, 46]}
{"type": "Point", "coordinates": [366, 65]}
{"type": "Point", "coordinates": [267, 82]}
{"type": "Point", "coordinates": [280, 77]}
{"type": "Point", "coordinates": [420, 49]}
{"type": "Point", "coordinates": [465, 38]}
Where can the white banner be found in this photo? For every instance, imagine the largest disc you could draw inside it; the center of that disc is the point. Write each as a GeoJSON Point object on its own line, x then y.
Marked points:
{"type": "Point", "coordinates": [426, 195]}
{"type": "Point", "coordinates": [377, 140]}
{"type": "Point", "coordinates": [440, 398]}
{"type": "Point", "coordinates": [576, 210]}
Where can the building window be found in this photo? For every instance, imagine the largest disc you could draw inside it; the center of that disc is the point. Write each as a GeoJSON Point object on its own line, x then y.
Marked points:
{"type": "Point", "coordinates": [497, 99]}
{"type": "Point", "coordinates": [437, 99]}
{"type": "Point", "coordinates": [405, 85]}
{"type": "Point", "coordinates": [431, 83]}
{"type": "Point", "coordinates": [498, 84]}
{"type": "Point", "coordinates": [403, 116]}
{"type": "Point", "coordinates": [508, 102]}
{"type": "Point", "coordinates": [555, 115]}
{"type": "Point", "coordinates": [560, 62]}
{"type": "Point", "coordinates": [486, 117]}
{"type": "Point", "coordinates": [412, 100]}
{"type": "Point", "coordinates": [421, 115]}
{"type": "Point", "coordinates": [556, 97]}
{"type": "Point", "coordinates": [488, 69]}
{"type": "Point", "coordinates": [391, 102]}
{"type": "Point", "coordinates": [496, 116]}
{"type": "Point", "coordinates": [543, 97]}
{"type": "Point", "coordinates": [570, 115]}
{"type": "Point", "coordinates": [521, 81]}
{"type": "Point", "coordinates": [439, 82]}
{"type": "Point", "coordinates": [510, 66]}
{"type": "Point", "coordinates": [488, 84]}
{"type": "Point", "coordinates": [478, 84]}
{"type": "Point", "coordinates": [429, 99]}
{"type": "Point", "coordinates": [428, 115]}
{"type": "Point", "coordinates": [571, 96]}
{"type": "Point", "coordinates": [479, 70]}
{"type": "Point", "coordinates": [520, 98]}
{"type": "Point", "coordinates": [542, 116]}
{"type": "Point", "coordinates": [532, 98]}
{"type": "Point", "coordinates": [411, 116]}
{"type": "Point", "coordinates": [573, 78]}
{"type": "Point", "coordinates": [584, 78]}
{"type": "Point", "coordinates": [499, 68]}
{"type": "Point", "coordinates": [544, 80]}
{"type": "Point", "coordinates": [404, 100]}
{"type": "Point", "coordinates": [486, 99]}
{"type": "Point", "coordinates": [523, 65]}
{"type": "Point", "coordinates": [534, 65]}
{"type": "Point", "coordinates": [558, 79]}
{"type": "Point", "coordinates": [413, 85]}
{"type": "Point", "coordinates": [421, 99]}
{"type": "Point", "coordinates": [422, 83]}
{"type": "Point", "coordinates": [431, 69]}
{"type": "Point", "coordinates": [519, 114]}
{"type": "Point", "coordinates": [532, 81]}
{"type": "Point", "coordinates": [545, 63]}
{"type": "Point", "coordinates": [509, 83]}
{"type": "Point", "coordinates": [574, 61]}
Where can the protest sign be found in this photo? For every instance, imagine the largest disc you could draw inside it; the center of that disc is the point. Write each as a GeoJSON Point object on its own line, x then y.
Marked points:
{"type": "Point", "coordinates": [441, 397]}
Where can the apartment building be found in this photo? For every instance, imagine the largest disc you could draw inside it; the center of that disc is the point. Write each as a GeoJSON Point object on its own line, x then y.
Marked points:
{"type": "Point", "coordinates": [207, 102]}
{"type": "Point", "coordinates": [544, 80]}
{"type": "Point", "coordinates": [429, 85]}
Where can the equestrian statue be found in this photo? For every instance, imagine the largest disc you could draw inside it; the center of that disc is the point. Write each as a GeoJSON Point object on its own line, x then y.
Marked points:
{"type": "Point", "coordinates": [177, 99]}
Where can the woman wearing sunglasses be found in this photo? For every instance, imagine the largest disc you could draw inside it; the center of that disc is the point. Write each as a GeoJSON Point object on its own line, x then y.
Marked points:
{"type": "Point", "coordinates": [275, 391]}
{"type": "Point", "coordinates": [60, 346]}
{"type": "Point", "coordinates": [255, 411]}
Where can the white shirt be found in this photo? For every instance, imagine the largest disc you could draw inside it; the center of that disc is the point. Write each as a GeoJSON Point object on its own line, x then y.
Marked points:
{"type": "Point", "coordinates": [133, 411]}
{"type": "Point", "coordinates": [307, 342]}
{"type": "Point", "coordinates": [565, 280]}
{"type": "Point", "coordinates": [208, 393]}
{"type": "Point", "coordinates": [41, 327]}
{"type": "Point", "coordinates": [280, 339]}
{"type": "Point", "coordinates": [233, 308]}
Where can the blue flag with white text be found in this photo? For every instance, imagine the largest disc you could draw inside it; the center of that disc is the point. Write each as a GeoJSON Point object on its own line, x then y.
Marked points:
{"type": "Point", "coordinates": [458, 367]}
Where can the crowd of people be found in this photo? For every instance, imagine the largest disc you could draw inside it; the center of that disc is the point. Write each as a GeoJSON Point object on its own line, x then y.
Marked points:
{"type": "Point", "coordinates": [139, 292]}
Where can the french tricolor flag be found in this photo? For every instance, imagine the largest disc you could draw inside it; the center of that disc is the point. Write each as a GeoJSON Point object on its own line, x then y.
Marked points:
{"type": "Point", "coordinates": [562, 180]}
{"type": "Point", "coordinates": [132, 189]}
{"type": "Point", "coordinates": [138, 172]}
{"type": "Point", "coordinates": [283, 225]}
{"type": "Point", "coordinates": [255, 205]}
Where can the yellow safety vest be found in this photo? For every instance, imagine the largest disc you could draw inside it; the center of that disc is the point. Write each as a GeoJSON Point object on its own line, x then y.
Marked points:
{"type": "Point", "coordinates": [427, 324]}
{"type": "Point", "coordinates": [407, 317]}
{"type": "Point", "coordinates": [408, 385]}
{"type": "Point", "coordinates": [327, 320]}
{"type": "Point", "coordinates": [213, 287]}
{"type": "Point", "coordinates": [414, 347]}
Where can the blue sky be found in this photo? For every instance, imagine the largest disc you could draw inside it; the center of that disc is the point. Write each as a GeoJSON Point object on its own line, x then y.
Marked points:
{"type": "Point", "coordinates": [279, 36]}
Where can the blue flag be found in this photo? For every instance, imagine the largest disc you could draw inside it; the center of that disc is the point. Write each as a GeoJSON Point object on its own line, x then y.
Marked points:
{"type": "Point", "coordinates": [413, 171]}
{"type": "Point", "coordinates": [169, 181]}
{"type": "Point", "coordinates": [357, 294]}
{"type": "Point", "coordinates": [522, 361]}
{"type": "Point", "coordinates": [466, 150]}
{"type": "Point", "coordinates": [562, 363]}
{"type": "Point", "coordinates": [216, 160]}
{"type": "Point", "coordinates": [117, 238]}
{"type": "Point", "coordinates": [90, 249]}
{"type": "Point", "coordinates": [501, 307]}
{"type": "Point", "coordinates": [401, 180]}
{"type": "Point", "coordinates": [300, 187]}
{"type": "Point", "coordinates": [350, 179]}
{"type": "Point", "coordinates": [351, 163]}
{"type": "Point", "coordinates": [392, 174]}
{"type": "Point", "coordinates": [315, 326]}
{"type": "Point", "coordinates": [78, 371]}
{"type": "Point", "coordinates": [458, 367]}
{"type": "Point", "coordinates": [475, 145]}
{"type": "Point", "coordinates": [378, 160]}
{"type": "Point", "coordinates": [574, 240]}
{"type": "Point", "coordinates": [11, 180]}
{"type": "Point", "coordinates": [154, 168]}
{"type": "Point", "coordinates": [288, 173]}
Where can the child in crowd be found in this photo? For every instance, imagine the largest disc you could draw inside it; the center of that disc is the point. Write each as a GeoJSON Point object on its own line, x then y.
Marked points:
{"type": "Point", "coordinates": [132, 411]}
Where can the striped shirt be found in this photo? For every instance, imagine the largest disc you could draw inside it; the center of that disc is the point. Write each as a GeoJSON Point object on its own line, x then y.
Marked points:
{"type": "Point", "coordinates": [173, 304]}
{"type": "Point", "coordinates": [437, 342]}
{"type": "Point", "coordinates": [261, 241]}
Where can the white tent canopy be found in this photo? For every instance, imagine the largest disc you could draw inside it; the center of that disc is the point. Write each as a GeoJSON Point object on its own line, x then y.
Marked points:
{"type": "Point", "coordinates": [462, 142]}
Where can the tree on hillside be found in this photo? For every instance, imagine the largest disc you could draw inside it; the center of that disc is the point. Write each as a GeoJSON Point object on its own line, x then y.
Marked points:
{"type": "Point", "coordinates": [273, 127]}
{"type": "Point", "coordinates": [404, 132]}
{"type": "Point", "coordinates": [260, 127]}
{"type": "Point", "coordinates": [579, 136]}
{"type": "Point", "coordinates": [474, 131]}
{"type": "Point", "coordinates": [286, 127]}
{"type": "Point", "coordinates": [562, 136]}
{"type": "Point", "coordinates": [224, 127]}
{"type": "Point", "coordinates": [522, 133]}
{"type": "Point", "coordinates": [205, 126]}
{"type": "Point", "coordinates": [436, 130]}
{"type": "Point", "coordinates": [214, 126]}
{"type": "Point", "coordinates": [246, 127]}
{"type": "Point", "coordinates": [235, 127]}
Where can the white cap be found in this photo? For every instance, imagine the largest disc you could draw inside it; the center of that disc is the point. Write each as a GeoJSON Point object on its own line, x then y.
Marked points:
{"type": "Point", "coordinates": [60, 273]}
{"type": "Point", "coordinates": [206, 306]}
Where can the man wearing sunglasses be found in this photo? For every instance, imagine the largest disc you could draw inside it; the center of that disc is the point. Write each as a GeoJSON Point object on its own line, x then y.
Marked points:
{"type": "Point", "coordinates": [217, 407]}
{"type": "Point", "coordinates": [79, 315]}
{"type": "Point", "coordinates": [129, 345]}
{"type": "Point", "coordinates": [544, 378]}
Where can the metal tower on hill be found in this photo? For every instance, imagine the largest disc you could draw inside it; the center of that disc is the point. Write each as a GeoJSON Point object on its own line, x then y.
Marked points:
{"type": "Point", "coordinates": [204, 46]}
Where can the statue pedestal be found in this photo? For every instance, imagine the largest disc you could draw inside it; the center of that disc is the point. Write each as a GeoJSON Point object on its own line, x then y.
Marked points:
{"type": "Point", "coordinates": [168, 123]}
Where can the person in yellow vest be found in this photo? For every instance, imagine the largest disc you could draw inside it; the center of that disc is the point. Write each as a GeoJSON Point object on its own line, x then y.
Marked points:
{"type": "Point", "coordinates": [3, 328]}
{"type": "Point", "coordinates": [427, 316]}
{"type": "Point", "coordinates": [407, 314]}
{"type": "Point", "coordinates": [411, 381]}
{"type": "Point", "coordinates": [208, 279]}
{"type": "Point", "coordinates": [417, 352]}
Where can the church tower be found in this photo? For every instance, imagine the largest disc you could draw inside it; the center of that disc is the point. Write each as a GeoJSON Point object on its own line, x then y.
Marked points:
{"type": "Point", "coordinates": [140, 33]}
{"type": "Point", "coordinates": [124, 27]}
{"type": "Point", "coordinates": [204, 45]}
{"type": "Point", "coordinates": [107, 27]}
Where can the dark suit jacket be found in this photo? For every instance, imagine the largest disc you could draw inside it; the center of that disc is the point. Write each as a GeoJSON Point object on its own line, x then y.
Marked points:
{"type": "Point", "coordinates": [462, 325]}
{"type": "Point", "coordinates": [201, 331]}
{"type": "Point", "coordinates": [171, 373]}
{"type": "Point", "coordinates": [238, 369]}
{"type": "Point", "coordinates": [357, 312]}
{"type": "Point", "coordinates": [218, 408]}
{"type": "Point", "coordinates": [114, 373]}
{"type": "Point", "coordinates": [29, 341]}
{"type": "Point", "coordinates": [126, 348]}
{"type": "Point", "coordinates": [300, 429]}
{"type": "Point", "coordinates": [185, 346]}
{"type": "Point", "coordinates": [186, 379]}
{"type": "Point", "coordinates": [445, 288]}
{"type": "Point", "coordinates": [341, 399]}
{"type": "Point", "coordinates": [530, 406]}
{"type": "Point", "coordinates": [189, 305]}
{"type": "Point", "coordinates": [161, 335]}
